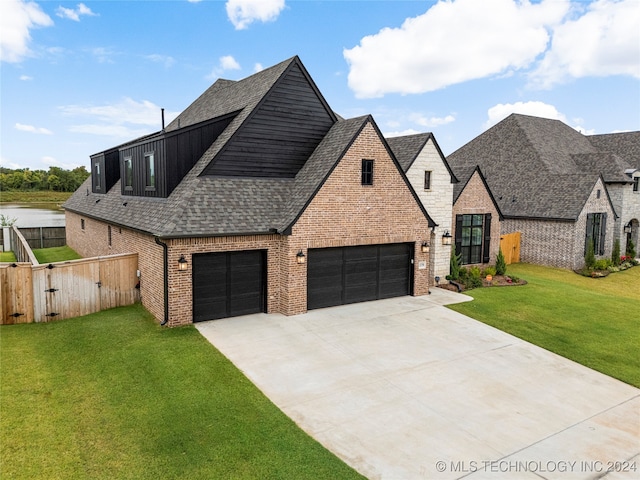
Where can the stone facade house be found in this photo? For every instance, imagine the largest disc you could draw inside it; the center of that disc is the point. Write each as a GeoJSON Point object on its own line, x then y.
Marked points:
{"type": "Point", "coordinates": [431, 177]}
{"type": "Point", "coordinates": [548, 181]}
{"type": "Point", "coordinates": [624, 156]}
{"type": "Point", "coordinates": [476, 219]}
{"type": "Point", "coordinates": [256, 198]}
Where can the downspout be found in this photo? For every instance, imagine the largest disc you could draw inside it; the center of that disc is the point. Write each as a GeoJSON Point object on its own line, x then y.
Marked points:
{"type": "Point", "coordinates": [165, 264]}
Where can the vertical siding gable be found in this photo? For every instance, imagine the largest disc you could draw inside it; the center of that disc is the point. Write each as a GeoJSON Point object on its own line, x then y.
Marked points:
{"type": "Point", "coordinates": [280, 135]}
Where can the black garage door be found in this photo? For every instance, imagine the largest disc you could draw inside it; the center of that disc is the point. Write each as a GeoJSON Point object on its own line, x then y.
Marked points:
{"type": "Point", "coordinates": [337, 276]}
{"type": "Point", "coordinates": [228, 284]}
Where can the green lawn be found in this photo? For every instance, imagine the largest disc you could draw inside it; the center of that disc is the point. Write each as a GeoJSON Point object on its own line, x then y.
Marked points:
{"type": "Point", "coordinates": [114, 395]}
{"type": "Point", "coordinates": [595, 322]}
{"type": "Point", "coordinates": [7, 257]}
{"type": "Point", "coordinates": [55, 254]}
{"type": "Point", "coordinates": [19, 196]}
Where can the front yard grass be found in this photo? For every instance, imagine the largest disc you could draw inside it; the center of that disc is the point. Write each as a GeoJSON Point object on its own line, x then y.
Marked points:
{"type": "Point", "coordinates": [55, 254]}
{"type": "Point", "coordinates": [114, 395]}
{"type": "Point", "coordinates": [595, 322]}
{"type": "Point", "coordinates": [7, 256]}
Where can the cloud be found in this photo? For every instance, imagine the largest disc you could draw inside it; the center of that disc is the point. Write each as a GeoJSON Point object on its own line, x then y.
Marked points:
{"type": "Point", "coordinates": [225, 64]}
{"type": "Point", "coordinates": [25, 78]}
{"type": "Point", "coordinates": [104, 54]}
{"type": "Point", "coordinates": [536, 109]}
{"type": "Point", "coordinates": [17, 18]}
{"type": "Point", "coordinates": [257, 68]}
{"type": "Point", "coordinates": [453, 42]}
{"type": "Point", "coordinates": [55, 163]}
{"type": "Point", "coordinates": [75, 14]}
{"type": "Point", "coordinates": [5, 162]}
{"type": "Point", "coordinates": [242, 13]}
{"type": "Point", "coordinates": [409, 131]}
{"type": "Point", "coordinates": [122, 119]}
{"type": "Point", "coordinates": [166, 60]}
{"type": "Point", "coordinates": [604, 41]}
{"type": "Point", "coordinates": [32, 129]}
{"type": "Point", "coordinates": [431, 121]}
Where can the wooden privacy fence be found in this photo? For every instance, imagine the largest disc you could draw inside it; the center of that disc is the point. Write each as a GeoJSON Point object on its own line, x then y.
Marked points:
{"type": "Point", "coordinates": [510, 246]}
{"type": "Point", "coordinates": [44, 237]}
{"type": "Point", "coordinates": [40, 293]}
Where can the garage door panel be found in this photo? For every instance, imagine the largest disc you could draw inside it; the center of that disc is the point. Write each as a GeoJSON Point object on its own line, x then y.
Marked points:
{"type": "Point", "coordinates": [228, 284]}
{"type": "Point", "coordinates": [344, 275]}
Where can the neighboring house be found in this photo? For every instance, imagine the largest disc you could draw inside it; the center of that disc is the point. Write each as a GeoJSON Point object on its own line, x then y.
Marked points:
{"type": "Point", "coordinates": [547, 182]}
{"type": "Point", "coordinates": [431, 177]}
{"type": "Point", "coordinates": [476, 219]}
{"type": "Point", "coordinates": [256, 198]}
{"type": "Point", "coordinates": [624, 190]}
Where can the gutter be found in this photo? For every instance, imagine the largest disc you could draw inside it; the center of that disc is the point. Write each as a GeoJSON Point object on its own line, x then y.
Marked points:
{"type": "Point", "coordinates": [165, 274]}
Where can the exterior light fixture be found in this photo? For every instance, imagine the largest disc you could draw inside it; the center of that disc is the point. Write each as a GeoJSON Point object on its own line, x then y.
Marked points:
{"type": "Point", "coordinates": [300, 258]}
{"type": "Point", "coordinates": [446, 238]}
{"type": "Point", "coordinates": [627, 228]}
{"type": "Point", "coordinates": [182, 263]}
{"type": "Point", "coordinates": [425, 247]}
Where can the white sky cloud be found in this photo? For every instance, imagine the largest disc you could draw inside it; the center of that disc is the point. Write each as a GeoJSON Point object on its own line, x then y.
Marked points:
{"type": "Point", "coordinates": [31, 129]}
{"type": "Point", "coordinates": [431, 121]}
{"type": "Point", "coordinates": [257, 68]}
{"type": "Point", "coordinates": [604, 41]}
{"type": "Point", "coordinates": [25, 78]}
{"type": "Point", "coordinates": [74, 13]}
{"type": "Point", "coordinates": [536, 109]}
{"type": "Point", "coordinates": [242, 13]}
{"type": "Point", "coordinates": [17, 18]}
{"type": "Point", "coordinates": [166, 60]}
{"type": "Point", "coordinates": [225, 64]}
{"type": "Point", "coordinates": [52, 162]}
{"type": "Point", "coordinates": [122, 119]}
{"type": "Point", "coordinates": [452, 42]}
{"type": "Point", "coordinates": [409, 131]}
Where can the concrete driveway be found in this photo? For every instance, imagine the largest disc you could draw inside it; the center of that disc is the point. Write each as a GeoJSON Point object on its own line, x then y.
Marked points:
{"type": "Point", "coordinates": [405, 388]}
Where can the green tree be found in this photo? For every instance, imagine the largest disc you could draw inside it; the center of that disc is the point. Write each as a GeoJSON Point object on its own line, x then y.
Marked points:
{"type": "Point", "coordinates": [589, 256]}
{"type": "Point", "coordinates": [615, 253]}
{"type": "Point", "coordinates": [501, 264]}
{"type": "Point", "coordinates": [631, 249]}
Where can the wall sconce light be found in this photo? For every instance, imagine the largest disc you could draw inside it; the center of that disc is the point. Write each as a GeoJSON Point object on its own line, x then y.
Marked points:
{"type": "Point", "coordinates": [300, 258]}
{"type": "Point", "coordinates": [182, 263]}
{"type": "Point", "coordinates": [627, 228]}
{"type": "Point", "coordinates": [446, 238]}
{"type": "Point", "coordinates": [425, 247]}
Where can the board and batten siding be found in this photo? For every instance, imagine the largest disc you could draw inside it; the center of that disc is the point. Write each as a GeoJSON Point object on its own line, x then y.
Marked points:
{"type": "Point", "coordinates": [281, 135]}
{"type": "Point", "coordinates": [137, 153]}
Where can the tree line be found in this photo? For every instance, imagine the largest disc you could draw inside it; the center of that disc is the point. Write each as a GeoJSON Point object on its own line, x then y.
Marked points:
{"type": "Point", "coordinates": [55, 179]}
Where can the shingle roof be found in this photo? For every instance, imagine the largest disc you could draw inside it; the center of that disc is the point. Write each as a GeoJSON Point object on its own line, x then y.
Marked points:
{"type": "Point", "coordinates": [626, 145]}
{"type": "Point", "coordinates": [535, 167]}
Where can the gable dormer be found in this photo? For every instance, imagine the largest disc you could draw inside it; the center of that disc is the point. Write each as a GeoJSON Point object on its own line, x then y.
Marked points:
{"type": "Point", "coordinates": [281, 132]}
{"type": "Point", "coordinates": [105, 170]}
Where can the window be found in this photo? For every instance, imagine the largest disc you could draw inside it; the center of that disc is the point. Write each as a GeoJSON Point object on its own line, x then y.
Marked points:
{"type": "Point", "coordinates": [635, 183]}
{"type": "Point", "coordinates": [427, 180]}
{"type": "Point", "coordinates": [150, 171]}
{"type": "Point", "coordinates": [473, 238]}
{"type": "Point", "coordinates": [109, 234]}
{"type": "Point", "coordinates": [596, 230]}
{"type": "Point", "coordinates": [82, 223]}
{"type": "Point", "coordinates": [598, 193]}
{"type": "Point", "coordinates": [128, 174]}
{"type": "Point", "coordinates": [96, 176]}
{"type": "Point", "coordinates": [367, 172]}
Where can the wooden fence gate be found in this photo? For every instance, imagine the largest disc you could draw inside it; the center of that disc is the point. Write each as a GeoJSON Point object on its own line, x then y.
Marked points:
{"type": "Point", "coordinates": [40, 293]}
{"type": "Point", "coordinates": [510, 246]}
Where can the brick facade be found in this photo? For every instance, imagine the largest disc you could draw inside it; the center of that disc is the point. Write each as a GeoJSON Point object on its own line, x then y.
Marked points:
{"type": "Point", "coordinates": [561, 243]}
{"type": "Point", "coordinates": [437, 201]}
{"type": "Point", "coordinates": [475, 199]}
{"type": "Point", "coordinates": [342, 213]}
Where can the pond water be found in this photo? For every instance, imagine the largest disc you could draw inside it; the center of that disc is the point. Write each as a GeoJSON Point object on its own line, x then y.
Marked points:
{"type": "Point", "coordinates": [34, 214]}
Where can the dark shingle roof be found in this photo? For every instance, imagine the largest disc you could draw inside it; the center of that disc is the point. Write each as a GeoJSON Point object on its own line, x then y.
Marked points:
{"type": "Point", "coordinates": [406, 149]}
{"type": "Point", "coordinates": [535, 167]}
{"type": "Point", "coordinates": [626, 145]}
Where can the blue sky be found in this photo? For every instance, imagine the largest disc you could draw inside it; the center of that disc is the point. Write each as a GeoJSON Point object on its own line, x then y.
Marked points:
{"type": "Point", "coordinates": [77, 78]}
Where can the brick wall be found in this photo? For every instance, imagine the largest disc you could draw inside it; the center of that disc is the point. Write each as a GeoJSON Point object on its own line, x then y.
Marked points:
{"type": "Point", "coordinates": [475, 199]}
{"type": "Point", "coordinates": [438, 201]}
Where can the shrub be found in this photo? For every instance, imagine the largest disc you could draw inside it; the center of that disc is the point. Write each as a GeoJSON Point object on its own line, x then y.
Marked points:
{"type": "Point", "coordinates": [489, 271]}
{"type": "Point", "coordinates": [590, 257]}
{"type": "Point", "coordinates": [454, 265]}
{"type": "Point", "coordinates": [601, 264]}
{"type": "Point", "coordinates": [615, 253]}
{"type": "Point", "coordinates": [631, 249]}
{"type": "Point", "coordinates": [501, 265]}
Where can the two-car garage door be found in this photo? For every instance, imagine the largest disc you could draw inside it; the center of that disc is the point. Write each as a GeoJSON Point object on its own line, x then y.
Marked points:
{"type": "Point", "coordinates": [229, 284]}
{"type": "Point", "coordinates": [337, 276]}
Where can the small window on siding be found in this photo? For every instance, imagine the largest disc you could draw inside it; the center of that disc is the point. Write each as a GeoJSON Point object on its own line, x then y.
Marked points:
{"type": "Point", "coordinates": [82, 223]}
{"type": "Point", "coordinates": [150, 171]}
{"type": "Point", "coordinates": [427, 179]}
{"type": "Point", "coordinates": [598, 194]}
{"type": "Point", "coordinates": [128, 174]}
{"type": "Point", "coordinates": [367, 172]}
{"type": "Point", "coordinates": [636, 180]}
{"type": "Point", "coordinates": [109, 234]}
{"type": "Point", "coordinates": [96, 176]}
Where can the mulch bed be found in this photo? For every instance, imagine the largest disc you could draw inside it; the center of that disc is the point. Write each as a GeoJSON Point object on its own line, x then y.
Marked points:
{"type": "Point", "coordinates": [497, 281]}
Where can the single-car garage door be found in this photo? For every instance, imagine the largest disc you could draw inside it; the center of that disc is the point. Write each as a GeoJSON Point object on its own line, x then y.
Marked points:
{"type": "Point", "coordinates": [228, 284]}
{"type": "Point", "coordinates": [337, 276]}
